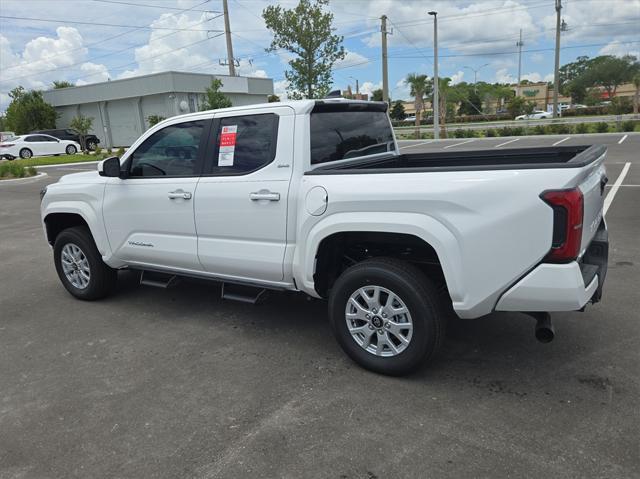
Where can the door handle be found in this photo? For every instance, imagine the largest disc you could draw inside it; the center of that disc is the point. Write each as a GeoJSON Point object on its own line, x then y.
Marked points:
{"type": "Point", "coordinates": [179, 194]}
{"type": "Point", "coordinates": [264, 195]}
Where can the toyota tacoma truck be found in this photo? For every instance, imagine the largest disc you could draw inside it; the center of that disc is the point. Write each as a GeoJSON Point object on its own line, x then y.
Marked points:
{"type": "Point", "coordinates": [315, 196]}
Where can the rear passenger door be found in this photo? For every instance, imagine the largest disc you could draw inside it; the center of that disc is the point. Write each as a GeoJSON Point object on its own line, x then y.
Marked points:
{"type": "Point", "coordinates": [241, 201]}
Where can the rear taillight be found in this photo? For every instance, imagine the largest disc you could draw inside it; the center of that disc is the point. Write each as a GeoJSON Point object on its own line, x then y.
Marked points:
{"type": "Point", "coordinates": [6, 145]}
{"type": "Point", "coordinates": [568, 211]}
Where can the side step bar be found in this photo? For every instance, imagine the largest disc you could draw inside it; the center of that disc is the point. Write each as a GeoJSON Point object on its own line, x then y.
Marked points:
{"type": "Point", "coordinates": [244, 294]}
{"type": "Point", "coordinates": [157, 280]}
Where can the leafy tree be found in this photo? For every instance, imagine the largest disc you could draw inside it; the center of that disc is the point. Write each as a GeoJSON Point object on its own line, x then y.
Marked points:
{"type": "Point", "coordinates": [620, 105]}
{"type": "Point", "coordinates": [608, 72]}
{"type": "Point", "coordinates": [444, 91]}
{"type": "Point", "coordinates": [155, 119]}
{"type": "Point", "coordinates": [82, 124]}
{"type": "Point", "coordinates": [57, 84]}
{"type": "Point", "coordinates": [214, 98]}
{"type": "Point", "coordinates": [273, 98]}
{"type": "Point", "coordinates": [519, 106]}
{"type": "Point", "coordinates": [28, 111]}
{"type": "Point", "coordinates": [2, 123]}
{"type": "Point", "coordinates": [397, 111]}
{"type": "Point", "coordinates": [636, 96]}
{"type": "Point", "coordinates": [376, 95]}
{"type": "Point", "coordinates": [306, 31]}
{"type": "Point", "coordinates": [470, 101]}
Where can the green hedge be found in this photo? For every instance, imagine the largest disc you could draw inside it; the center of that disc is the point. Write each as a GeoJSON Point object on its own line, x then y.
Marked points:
{"type": "Point", "coordinates": [11, 169]}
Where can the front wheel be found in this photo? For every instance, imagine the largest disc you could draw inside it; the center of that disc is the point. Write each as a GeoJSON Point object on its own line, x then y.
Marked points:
{"type": "Point", "coordinates": [71, 150]}
{"type": "Point", "coordinates": [80, 266]}
{"type": "Point", "coordinates": [386, 315]}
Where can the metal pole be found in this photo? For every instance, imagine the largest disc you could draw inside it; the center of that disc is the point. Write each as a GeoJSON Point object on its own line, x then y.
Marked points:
{"type": "Point", "coordinates": [227, 32]}
{"type": "Point", "coordinates": [519, 45]}
{"type": "Point", "coordinates": [436, 103]}
{"type": "Point", "coordinates": [385, 74]}
{"type": "Point", "coordinates": [556, 71]}
{"type": "Point", "coordinates": [357, 87]}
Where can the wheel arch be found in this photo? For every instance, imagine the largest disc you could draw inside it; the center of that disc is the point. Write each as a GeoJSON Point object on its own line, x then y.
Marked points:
{"type": "Point", "coordinates": [433, 240]}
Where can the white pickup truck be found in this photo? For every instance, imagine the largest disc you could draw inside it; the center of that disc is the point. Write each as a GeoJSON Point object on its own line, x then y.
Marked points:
{"type": "Point", "coordinates": [316, 197]}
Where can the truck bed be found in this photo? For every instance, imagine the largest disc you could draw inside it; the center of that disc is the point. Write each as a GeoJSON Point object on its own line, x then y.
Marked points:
{"type": "Point", "coordinates": [512, 158]}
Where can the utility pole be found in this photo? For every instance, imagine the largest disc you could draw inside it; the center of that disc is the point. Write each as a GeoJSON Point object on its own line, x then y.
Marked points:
{"type": "Point", "coordinates": [385, 73]}
{"type": "Point", "coordinates": [556, 70]}
{"type": "Point", "coordinates": [475, 75]}
{"type": "Point", "coordinates": [519, 44]}
{"type": "Point", "coordinates": [436, 102]}
{"type": "Point", "coordinates": [227, 32]}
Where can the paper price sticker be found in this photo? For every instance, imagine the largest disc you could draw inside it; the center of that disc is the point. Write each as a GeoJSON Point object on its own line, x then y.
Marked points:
{"type": "Point", "coordinates": [227, 146]}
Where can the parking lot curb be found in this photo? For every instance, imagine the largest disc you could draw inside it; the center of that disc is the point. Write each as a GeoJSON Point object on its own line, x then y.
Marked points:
{"type": "Point", "coordinates": [37, 177]}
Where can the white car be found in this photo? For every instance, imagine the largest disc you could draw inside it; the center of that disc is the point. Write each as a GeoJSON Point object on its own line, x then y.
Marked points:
{"type": "Point", "coordinates": [535, 115]}
{"type": "Point", "coordinates": [26, 146]}
{"type": "Point", "coordinates": [316, 197]}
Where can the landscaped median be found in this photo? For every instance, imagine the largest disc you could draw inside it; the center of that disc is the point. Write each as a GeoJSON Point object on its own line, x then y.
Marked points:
{"type": "Point", "coordinates": [11, 171]}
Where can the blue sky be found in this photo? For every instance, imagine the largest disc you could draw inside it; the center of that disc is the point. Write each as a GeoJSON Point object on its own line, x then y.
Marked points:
{"type": "Point", "coordinates": [86, 41]}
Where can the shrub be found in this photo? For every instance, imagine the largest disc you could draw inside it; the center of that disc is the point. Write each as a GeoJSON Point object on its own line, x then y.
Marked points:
{"type": "Point", "coordinates": [505, 131]}
{"type": "Point", "coordinates": [590, 110]}
{"type": "Point", "coordinates": [582, 128]}
{"type": "Point", "coordinates": [517, 131]}
{"type": "Point", "coordinates": [16, 170]}
{"type": "Point", "coordinates": [98, 150]}
{"type": "Point", "coordinates": [602, 127]}
{"type": "Point", "coordinates": [628, 125]}
{"type": "Point", "coordinates": [560, 129]}
{"type": "Point", "coordinates": [540, 130]}
{"type": "Point", "coordinates": [491, 132]}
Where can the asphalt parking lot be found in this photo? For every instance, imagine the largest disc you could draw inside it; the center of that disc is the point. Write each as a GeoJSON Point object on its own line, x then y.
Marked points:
{"type": "Point", "coordinates": [177, 383]}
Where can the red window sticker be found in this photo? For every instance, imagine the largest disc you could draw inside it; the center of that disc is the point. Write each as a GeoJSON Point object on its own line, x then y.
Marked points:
{"type": "Point", "coordinates": [227, 145]}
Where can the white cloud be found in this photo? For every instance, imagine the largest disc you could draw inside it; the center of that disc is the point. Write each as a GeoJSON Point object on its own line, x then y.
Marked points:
{"type": "Point", "coordinates": [457, 77]}
{"type": "Point", "coordinates": [620, 49]}
{"type": "Point", "coordinates": [368, 87]}
{"type": "Point", "coordinates": [280, 88]}
{"type": "Point", "coordinates": [92, 73]}
{"type": "Point", "coordinates": [503, 76]}
{"type": "Point", "coordinates": [352, 59]}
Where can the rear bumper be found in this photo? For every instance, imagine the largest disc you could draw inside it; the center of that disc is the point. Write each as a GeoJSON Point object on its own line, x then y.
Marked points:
{"type": "Point", "coordinates": [562, 287]}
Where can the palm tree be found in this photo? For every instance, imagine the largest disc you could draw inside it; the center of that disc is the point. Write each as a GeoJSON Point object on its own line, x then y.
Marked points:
{"type": "Point", "coordinates": [419, 85]}
{"type": "Point", "coordinates": [636, 97]}
{"type": "Point", "coordinates": [443, 90]}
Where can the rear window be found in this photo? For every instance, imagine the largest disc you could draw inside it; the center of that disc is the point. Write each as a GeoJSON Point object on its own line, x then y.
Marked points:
{"type": "Point", "coordinates": [349, 130]}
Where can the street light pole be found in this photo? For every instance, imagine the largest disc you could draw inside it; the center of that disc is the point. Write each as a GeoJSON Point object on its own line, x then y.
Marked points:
{"type": "Point", "coordinates": [436, 103]}
{"type": "Point", "coordinates": [475, 75]}
{"type": "Point", "coordinates": [556, 70]}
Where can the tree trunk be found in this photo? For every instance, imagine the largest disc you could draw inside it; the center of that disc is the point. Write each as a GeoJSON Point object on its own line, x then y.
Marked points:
{"type": "Point", "coordinates": [418, 106]}
{"type": "Point", "coordinates": [636, 100]}
{"type": "Point", "coordinates": [443, 117]}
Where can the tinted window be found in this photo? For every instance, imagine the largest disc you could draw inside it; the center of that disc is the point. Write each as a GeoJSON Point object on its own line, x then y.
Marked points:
{"type": "Point", "coordinates": [33, 138]}
{"type": "Point", "coordinates": [172, 151]}
{"type": "Point", "coordinates": [349, 132]}
{"type": "Point", "coordinates": [252, 146]}
{"type": "Point", "coordinates": [48, 138]}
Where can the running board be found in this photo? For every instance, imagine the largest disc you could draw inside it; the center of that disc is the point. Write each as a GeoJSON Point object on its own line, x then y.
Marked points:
{"type": "Point", "coordinates": [244, 294]}
{"type": "Point", "coordinates": [157, 280]}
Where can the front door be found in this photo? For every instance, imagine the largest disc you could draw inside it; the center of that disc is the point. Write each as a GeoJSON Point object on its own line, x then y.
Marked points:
{"type": "Point", "coordinates": [241, 207]}
{"type": "Point", "coordinates": [149, 213]}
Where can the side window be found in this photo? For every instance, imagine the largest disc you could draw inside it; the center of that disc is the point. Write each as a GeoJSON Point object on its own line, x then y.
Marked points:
{"type": "Point", "coordinates": [172, 151]}
{"type": "Point", "coordinates": [48, 138]}
{"type": "Point", "coordinates": [245, 143]}
{"type": "Point", "coordinates": [30, 138]}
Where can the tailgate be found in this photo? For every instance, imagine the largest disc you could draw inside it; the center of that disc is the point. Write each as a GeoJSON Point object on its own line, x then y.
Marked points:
{"type": "Point", "coordinates": [592, 181]}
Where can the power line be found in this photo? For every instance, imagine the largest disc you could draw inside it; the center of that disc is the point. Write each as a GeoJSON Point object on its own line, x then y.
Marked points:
{"type": "Point", "coordinates": [96, 24]}
{"type": "Point", "coordinates": [64, 52]}
{"type": "Point", "coordinates": [163, 7]}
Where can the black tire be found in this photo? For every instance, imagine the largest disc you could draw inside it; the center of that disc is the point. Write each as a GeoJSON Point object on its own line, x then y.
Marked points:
{"type": "Point", "coordinates": [421, 298]}
{"type": "Point", "coordinates": [91, 145]}
{"type": "Point", "coordinates": [102, 278]}
{"type": "Point", "coordinates": [26, 153]}
{"type": "Point", "coordinates": [71, 150]}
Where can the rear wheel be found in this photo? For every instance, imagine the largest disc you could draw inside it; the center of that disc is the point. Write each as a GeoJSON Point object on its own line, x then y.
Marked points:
{"type": "Point", "coordinates": [386, 315]}
{"type": "Point", "coordinates": [26, 153]}
{"type": "Point", "coordinates": [71, 150]}
{"type": "Point", "coordinates": [92, 145]}
{"type": "Point", "coordinates": [80, 266]}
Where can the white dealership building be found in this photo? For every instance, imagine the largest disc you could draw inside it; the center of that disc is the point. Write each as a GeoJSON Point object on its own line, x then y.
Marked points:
{"type": "Point", "coordinates": [121, 108]}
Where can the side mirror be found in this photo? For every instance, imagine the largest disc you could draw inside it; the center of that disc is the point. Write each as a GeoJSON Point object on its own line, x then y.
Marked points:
{"type": "Point", "coordinates": [109, 167]}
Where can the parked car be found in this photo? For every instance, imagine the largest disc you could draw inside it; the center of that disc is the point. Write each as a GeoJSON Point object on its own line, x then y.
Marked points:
{"type": "Point", "coordinates": [535, 115]}
{"type": "Point", "coordinates": [73, 135]}
{"type": "Point", "coordinates": [26, 146]}
{"type": "Point", "coordinates": [410, 118]}
{"type": "Point", "coordinates": [316, 197]}
{"type": "Point", "coordinates": [5, 135]}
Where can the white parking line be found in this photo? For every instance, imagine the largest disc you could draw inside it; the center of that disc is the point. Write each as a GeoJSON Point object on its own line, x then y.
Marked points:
{"type": "Point", "coordinates": [458, 144]}
{"type": "Point", "coordinates": [612, 194]}
{"type": "Point", "coordinates": [417, 144]}
{"type": "Point", "coordinates": [506, 143]}
{"type": "Point", "coordinates": [561, 141]}
{"type": "Point", "coordinates": [622, 139]}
